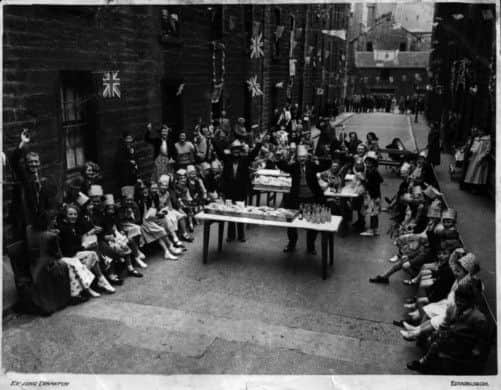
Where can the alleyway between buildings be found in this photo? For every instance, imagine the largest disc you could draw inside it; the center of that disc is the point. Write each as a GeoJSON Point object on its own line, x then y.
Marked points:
{"type": "Point", "coordinates": [251, 310]}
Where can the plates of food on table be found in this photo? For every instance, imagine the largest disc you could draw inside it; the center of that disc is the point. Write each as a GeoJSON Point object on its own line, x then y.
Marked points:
{"type": "Point", "coordinates": [249, 211]}
{"type": "Point", "coordinates": [272, 183]}
{"type": "Point", "coordinates": [271, 172]}
{"type": "Point", "coordinates": [349, 190]}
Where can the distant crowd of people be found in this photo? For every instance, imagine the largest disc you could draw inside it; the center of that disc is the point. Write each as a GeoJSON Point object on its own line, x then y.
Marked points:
{"type": "Point", "coordinates": [383, 103]}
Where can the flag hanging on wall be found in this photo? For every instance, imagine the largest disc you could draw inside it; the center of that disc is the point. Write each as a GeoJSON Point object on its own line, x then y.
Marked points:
{"type": "Point", "coordinates": [111, 84]}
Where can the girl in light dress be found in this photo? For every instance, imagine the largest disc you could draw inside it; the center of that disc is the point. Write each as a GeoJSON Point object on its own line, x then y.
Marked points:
{"type": "Point", "coordinates": [166, 213]}
{"type": "Point", "coordinates": [116, 240]}
{"type": "Point", "coordinates": [144, 217]}
{"type": "Point", "coordinates": [80, 256]}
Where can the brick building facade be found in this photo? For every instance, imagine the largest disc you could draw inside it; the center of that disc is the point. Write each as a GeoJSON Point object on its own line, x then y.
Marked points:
{"type": "Point", "coordinates": [167, 60]}
{"type": "Point", "coordinates": [386, 57]}
{"type": "Point", "coordinates": [463, 68]}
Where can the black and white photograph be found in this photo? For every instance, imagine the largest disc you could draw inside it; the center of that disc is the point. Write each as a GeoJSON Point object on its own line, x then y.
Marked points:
{"type": "Point", "coordinates": [249, 195]}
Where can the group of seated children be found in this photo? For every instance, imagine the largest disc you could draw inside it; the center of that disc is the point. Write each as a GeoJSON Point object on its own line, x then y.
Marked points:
{"type": "Point", "coordinates": [443, 315]}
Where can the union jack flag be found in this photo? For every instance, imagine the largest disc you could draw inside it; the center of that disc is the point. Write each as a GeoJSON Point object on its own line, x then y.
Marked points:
{"type": "Point", "coordinates": [111, 84]}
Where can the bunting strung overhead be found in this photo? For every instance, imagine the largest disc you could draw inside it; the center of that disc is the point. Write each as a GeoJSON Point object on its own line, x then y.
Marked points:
{"type": "Point", "coordinates": [254, 86]}
{"type": "Point", "coordinates": [341, 34]}
{"type": "Point", "coordinates": [180, 89]}
{"type": "Point", "coordinates": [217, 86]}
{"type": "Point", "coordinates": [257, 46]}
{"type": "Point", "coordinates": [292, 67]}
{"type": "Point", "coordinates": [279, 31]}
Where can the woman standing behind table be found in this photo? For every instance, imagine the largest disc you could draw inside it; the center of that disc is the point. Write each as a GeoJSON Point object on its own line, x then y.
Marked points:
{"type": "Point", "coordinates": [478, 167]}
{"type": "Point", "coordinates": [372, 142]}
{"type": "Point", "coordinates": [352, 142]}
{"type": "Point", "coordinates": [184, 151]}
{"type": "Point", "coordinates": [203, 145]}
{"type": "Point", "coordinates": [162, 151]}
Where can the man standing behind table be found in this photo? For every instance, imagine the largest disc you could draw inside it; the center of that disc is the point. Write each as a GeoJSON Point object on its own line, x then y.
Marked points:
{"type": "Point", "coordinates": [235, 182]}
{"type": "Point", "coordinates": [304, 189]}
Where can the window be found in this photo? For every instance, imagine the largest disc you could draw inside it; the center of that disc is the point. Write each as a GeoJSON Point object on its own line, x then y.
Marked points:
{"type": "Point", "coordinates": [292, 28]}
{"type": "Point", "coordinates": [371, 15]}
{"type": "Point", "coordinates": [169, 24]}
{"type": "Point", "coordinates": [216, 22]}
{"type": "Point", "coordinates": [369, 46]}
{"type": "Point", "coordinates": [74, 118]}
{"type": "Point", "coordinates": [403, 46]}
{"type": "Point", "coordinates": [276, 15]}
{"type": "Point", "coordinates": [279, 29]}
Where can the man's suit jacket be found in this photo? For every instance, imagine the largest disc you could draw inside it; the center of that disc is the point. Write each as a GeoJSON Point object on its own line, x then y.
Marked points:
{"type": "Point", "coordinates": [291, 200]}
{"type": "Point", "coordinates": [29, 200]}
{"type": "Point", "coordinates": [156, 142]}
{"type": "Point", "coordinates": [236, 187]}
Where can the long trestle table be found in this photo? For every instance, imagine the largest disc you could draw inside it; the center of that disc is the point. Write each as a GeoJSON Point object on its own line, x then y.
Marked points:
{"type": "Point", "coordinates": [327, 231]}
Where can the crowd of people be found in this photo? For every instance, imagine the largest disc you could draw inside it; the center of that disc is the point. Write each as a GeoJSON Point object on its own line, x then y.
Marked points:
{"type": "Point", "coordinates": [87, 244]}
{"type": "Point", "coordinates": [443, 315]}
{"type": "Point", "coordinates": [383, 103]}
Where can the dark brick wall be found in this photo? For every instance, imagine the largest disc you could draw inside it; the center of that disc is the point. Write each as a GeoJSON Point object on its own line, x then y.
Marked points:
{"type": "Point", "coordinates": [40, 42]}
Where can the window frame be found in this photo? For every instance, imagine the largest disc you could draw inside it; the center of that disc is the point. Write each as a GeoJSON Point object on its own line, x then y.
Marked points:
{"type": "Point", "coordinates": [75, 122]}
{"type": "Point", "coordinates": [165, 37]}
